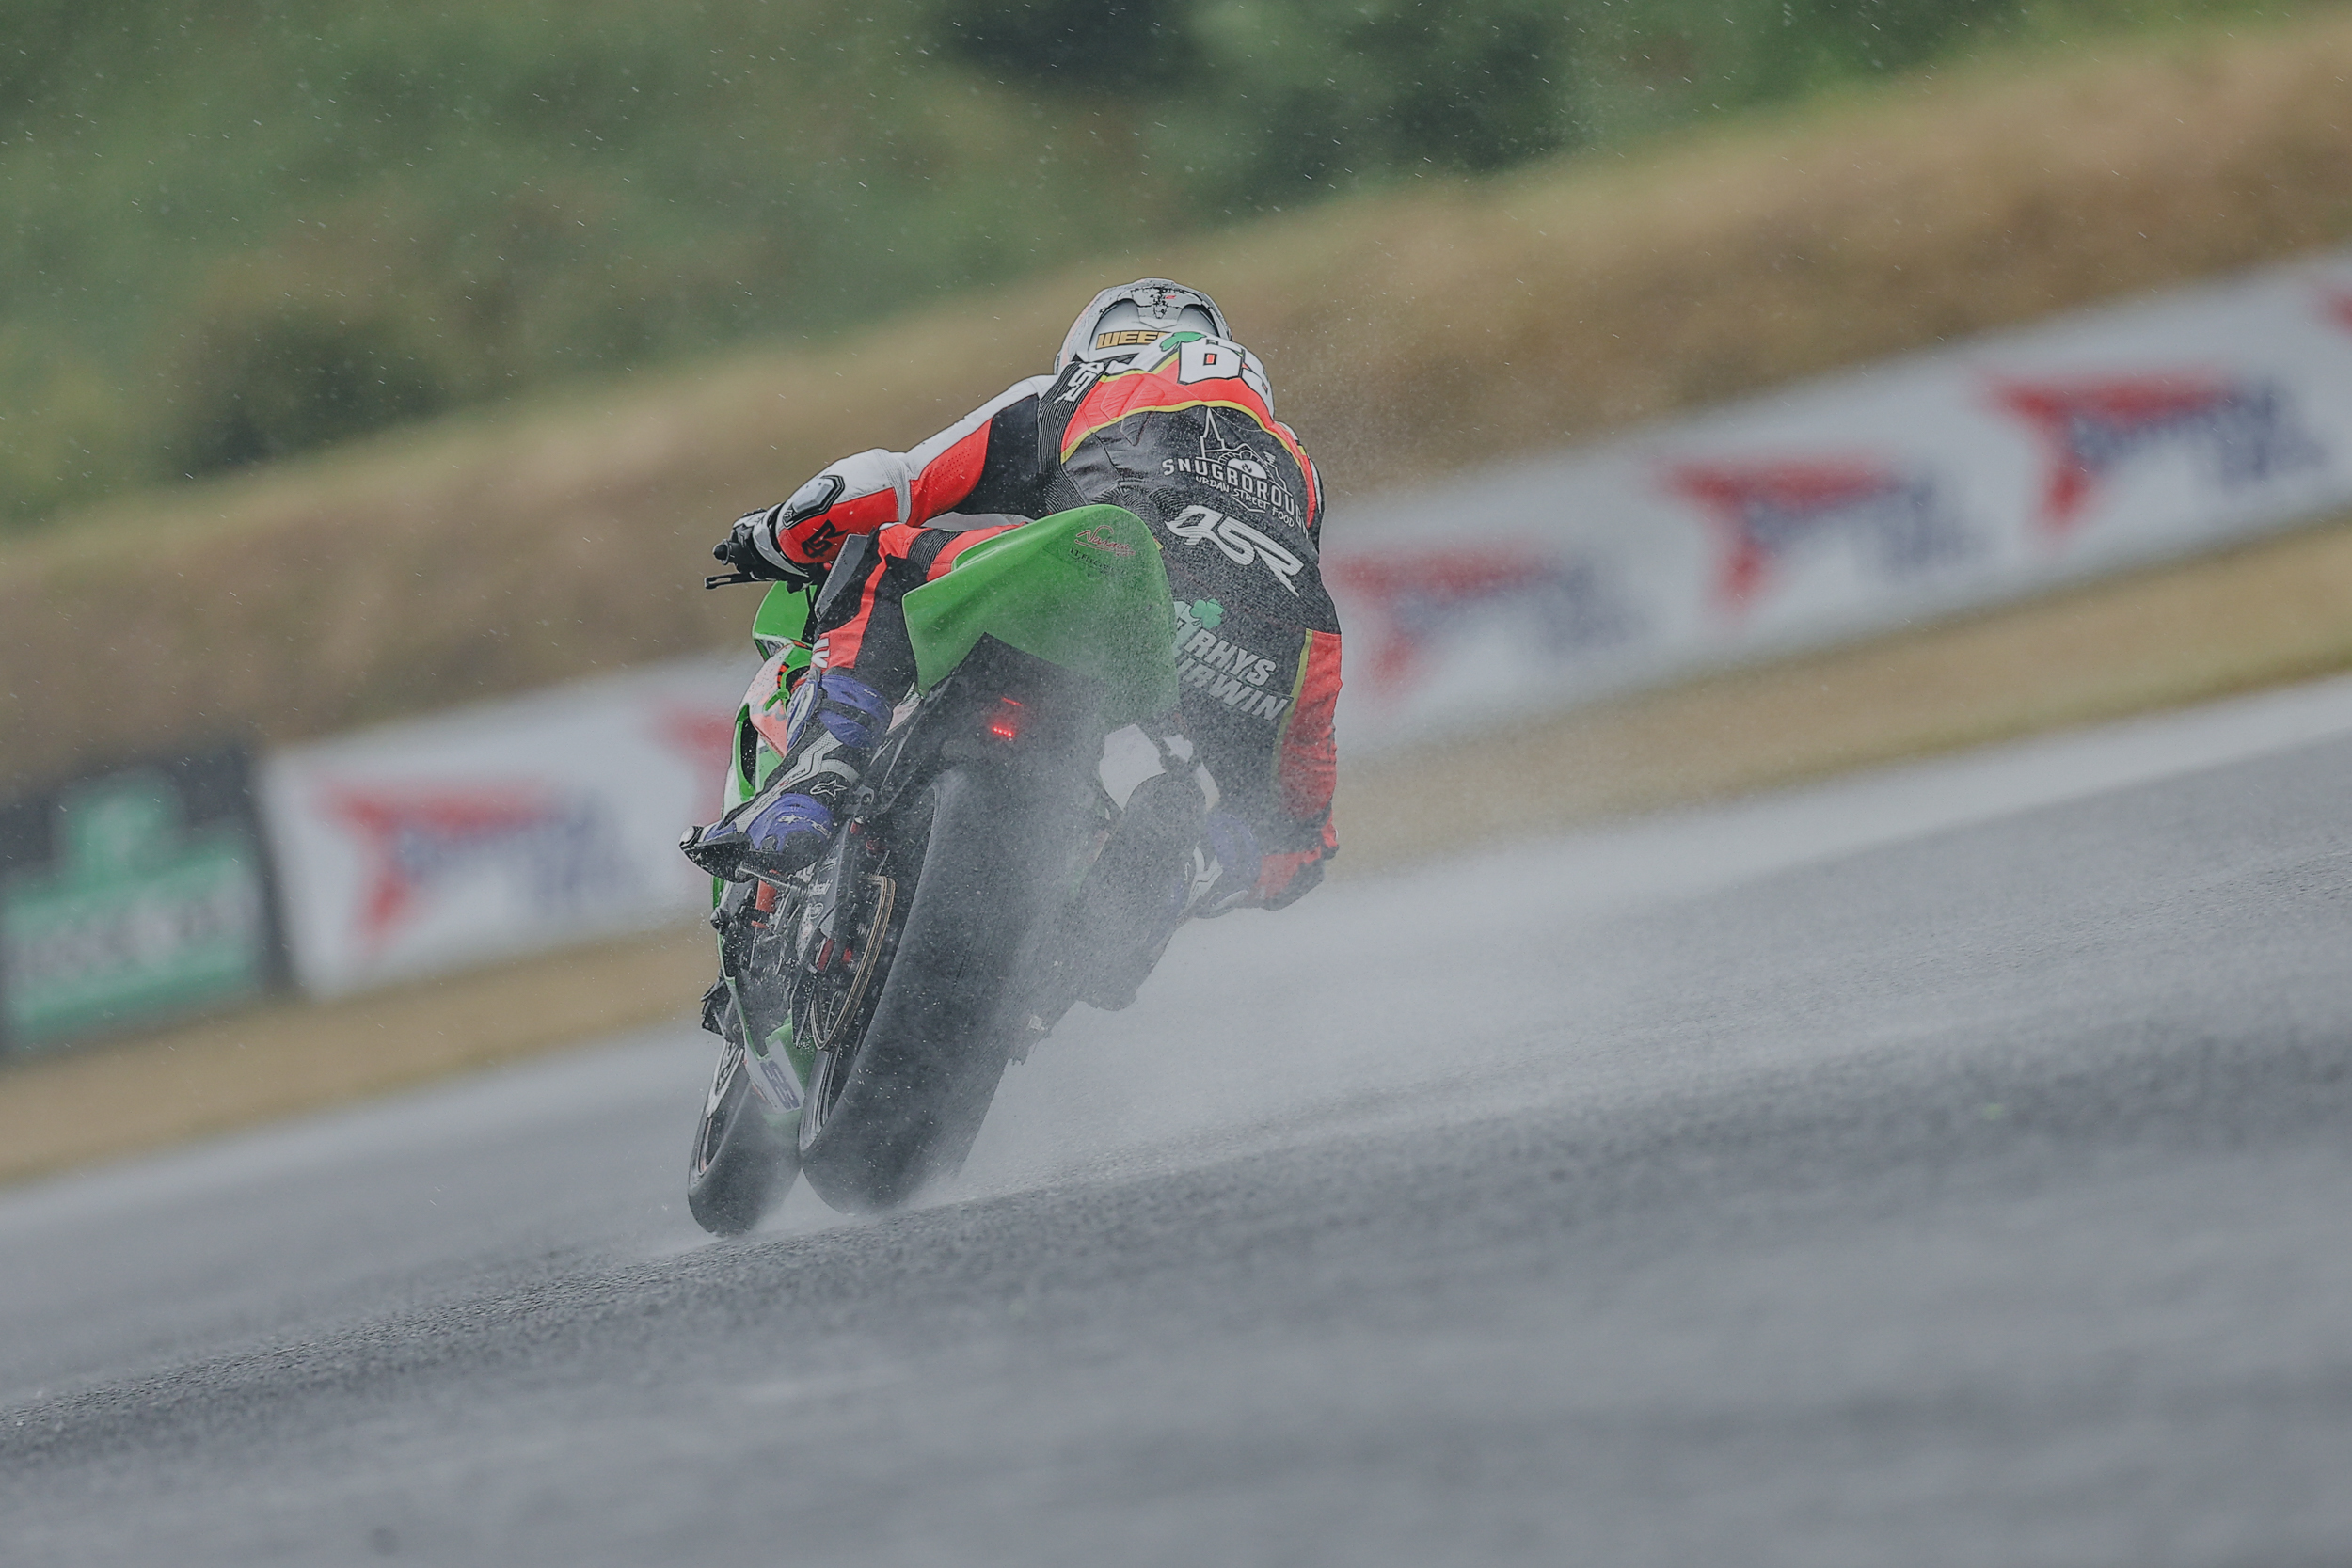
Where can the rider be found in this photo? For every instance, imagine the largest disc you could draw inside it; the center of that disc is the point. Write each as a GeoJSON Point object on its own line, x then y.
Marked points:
{"type": "Point", "coordinates": [1153, 407]}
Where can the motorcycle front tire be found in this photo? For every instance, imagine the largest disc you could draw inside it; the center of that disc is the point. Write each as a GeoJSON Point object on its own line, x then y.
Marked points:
{"type": "Point", "coordinates": [733, 1175]}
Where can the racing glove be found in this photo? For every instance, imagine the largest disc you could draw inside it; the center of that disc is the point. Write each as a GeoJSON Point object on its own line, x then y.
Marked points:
{"type": "Point", "coordinates": [1286, 877]}
{"type": "Point", "coordinates": [754, 546]}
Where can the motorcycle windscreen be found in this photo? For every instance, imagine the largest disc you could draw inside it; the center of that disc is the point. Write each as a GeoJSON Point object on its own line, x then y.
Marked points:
{"type": "Point", "coordinates": [782, 623]}
{"type": "Point", "coordinates": [1083, 590]}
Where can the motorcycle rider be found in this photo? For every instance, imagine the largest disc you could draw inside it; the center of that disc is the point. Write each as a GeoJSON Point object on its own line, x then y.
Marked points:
{"type": "Point", "coordinates": [1151, 406]}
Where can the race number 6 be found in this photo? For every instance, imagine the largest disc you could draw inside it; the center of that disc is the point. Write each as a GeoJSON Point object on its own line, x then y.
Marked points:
{"type": "Point", "coordinates": [1214, 359]}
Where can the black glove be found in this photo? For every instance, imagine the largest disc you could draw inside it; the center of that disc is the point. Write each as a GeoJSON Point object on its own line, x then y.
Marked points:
{"type": "Point", "coordinates": [755, 546]}
{"type": "Point", "coordinates": [740, 549]}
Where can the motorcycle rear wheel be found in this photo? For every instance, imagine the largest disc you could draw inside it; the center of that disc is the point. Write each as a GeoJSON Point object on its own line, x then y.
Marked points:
{"type": "Point", "coordinates": [900, 1108]}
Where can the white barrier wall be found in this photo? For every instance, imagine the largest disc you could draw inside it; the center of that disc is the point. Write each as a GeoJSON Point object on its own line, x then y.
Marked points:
{"type": "Point", "coordinates": [1960, 478]}
{"type": "Point", "coordinates": [492, 830]}
{"type": "Point", "coordinates": [1964, 477]}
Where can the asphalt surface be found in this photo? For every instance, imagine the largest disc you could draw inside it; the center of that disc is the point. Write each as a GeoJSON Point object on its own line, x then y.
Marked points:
{"type": "Point", "coordinates": [1948, 1167]}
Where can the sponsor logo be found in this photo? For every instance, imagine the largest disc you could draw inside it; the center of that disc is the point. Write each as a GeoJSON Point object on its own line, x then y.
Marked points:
{"type": "Point", "coordinates": [2243, 429]}
{"type": "Point", "coordinates": [1129, 339]}
{"type": "Point", "coordinates": [1769, 513]}
{"type": "Point", "coordinates": [818, 543]}
{"type": "Point", "coordinates": [1222, 669]}
{"type": "Point", "coordinates": [417, 840]}
{"type": "Point", "coordinates": [1407, 605]}
{"type": "Point", "coordinates": [1238, 542]}
{"type": "Point", "coordinates": [1234, 467]}
{"type": "Point", "coordinates": [140, 914]}
{"type": "Point", "coordinates": [783, 1094]}
{"type": "Point", "coordinates": [1093, 538]}
{"type": "Point", "coordinates": [1084, 373]}
{"type": "Point", "coordinates": [1218, 449]}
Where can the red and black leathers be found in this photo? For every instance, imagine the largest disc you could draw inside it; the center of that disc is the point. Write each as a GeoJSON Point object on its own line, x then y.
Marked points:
{"type": "Point", "coordinates": [1184, 437]}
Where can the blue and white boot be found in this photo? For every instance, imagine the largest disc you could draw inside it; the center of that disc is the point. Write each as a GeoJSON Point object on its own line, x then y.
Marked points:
{"type": "Point", "coordinates": [829, 733]}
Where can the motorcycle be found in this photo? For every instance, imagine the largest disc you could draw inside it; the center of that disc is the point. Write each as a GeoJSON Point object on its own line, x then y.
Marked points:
{"type": "Point", "coordinates": [991, 871]}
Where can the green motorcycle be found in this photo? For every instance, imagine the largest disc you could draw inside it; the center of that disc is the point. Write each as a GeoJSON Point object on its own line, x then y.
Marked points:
{"type": "Point", "coordinates": [983, 881]}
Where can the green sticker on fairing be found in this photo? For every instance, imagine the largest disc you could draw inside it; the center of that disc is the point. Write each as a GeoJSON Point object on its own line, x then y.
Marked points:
{"type": "Point", "coordinates": [1083, 590]}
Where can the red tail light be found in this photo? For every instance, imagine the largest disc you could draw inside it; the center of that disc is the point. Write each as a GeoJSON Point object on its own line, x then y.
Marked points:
{"type": "Point", "coordinates": [1005, 723]}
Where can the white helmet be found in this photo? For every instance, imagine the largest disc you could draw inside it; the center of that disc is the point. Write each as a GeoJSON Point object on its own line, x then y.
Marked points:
{"type": "Point", "coordinates": [1132, 317]}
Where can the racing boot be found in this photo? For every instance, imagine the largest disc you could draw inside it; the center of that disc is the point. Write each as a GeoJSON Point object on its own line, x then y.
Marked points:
{"type": "Point", "coordinates": [1168, 862]}
{"type": "Point", "coordinates": [829, 733]}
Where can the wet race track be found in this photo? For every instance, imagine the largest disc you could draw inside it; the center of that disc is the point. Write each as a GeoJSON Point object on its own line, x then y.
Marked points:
{"type": "Point", "coordinates": [1948, 1166]}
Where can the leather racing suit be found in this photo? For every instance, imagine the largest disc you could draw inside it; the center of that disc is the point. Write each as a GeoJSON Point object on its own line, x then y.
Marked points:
{"type": "Point", "coordinates": [1184, 437]}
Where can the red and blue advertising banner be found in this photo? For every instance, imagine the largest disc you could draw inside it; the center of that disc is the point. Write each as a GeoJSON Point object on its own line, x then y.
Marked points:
{"type": "Point", "coordinates": [516, 826]}
{"type": "Point", "coordinates": [1982, 472]}
{"type": "Point", "coordinates": [1979, 473]}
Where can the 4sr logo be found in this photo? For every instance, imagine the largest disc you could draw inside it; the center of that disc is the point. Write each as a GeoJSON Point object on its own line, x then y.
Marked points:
{"type": "Point", "coordinates": [1241, 542]}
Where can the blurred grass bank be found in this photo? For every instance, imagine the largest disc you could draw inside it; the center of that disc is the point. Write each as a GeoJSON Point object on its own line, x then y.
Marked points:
{"type": "Point", "coordinates": [2270, 612]}
{"type": "Point", "coordinates": [1411, 331]}
{"type": "Point", "coordinates": [239, 229]}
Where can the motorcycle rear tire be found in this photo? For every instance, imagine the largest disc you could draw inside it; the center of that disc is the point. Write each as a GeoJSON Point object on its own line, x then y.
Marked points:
{"type": "Point", "coordinates": [918, 1082]}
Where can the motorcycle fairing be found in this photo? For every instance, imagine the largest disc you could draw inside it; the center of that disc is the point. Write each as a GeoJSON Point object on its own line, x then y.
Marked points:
{"type": "Point", "coordinates": [1083, 589]}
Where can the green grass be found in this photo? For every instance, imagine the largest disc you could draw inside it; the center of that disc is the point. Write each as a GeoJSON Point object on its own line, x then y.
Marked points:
{"type": "Point", "coordinates": [242, 229]}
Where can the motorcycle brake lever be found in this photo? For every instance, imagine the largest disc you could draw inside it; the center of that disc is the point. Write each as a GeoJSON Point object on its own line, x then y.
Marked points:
{"type": "Point", "coordinates": [728, 579]}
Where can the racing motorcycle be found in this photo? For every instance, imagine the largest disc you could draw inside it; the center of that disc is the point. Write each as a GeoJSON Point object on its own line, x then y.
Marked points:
{"type": "Point", "coordinates": [990, 872]}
